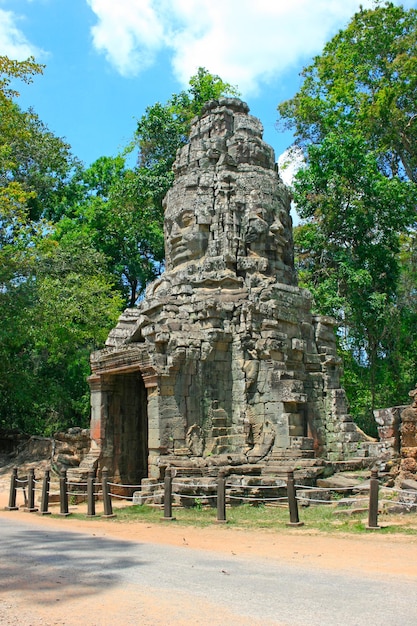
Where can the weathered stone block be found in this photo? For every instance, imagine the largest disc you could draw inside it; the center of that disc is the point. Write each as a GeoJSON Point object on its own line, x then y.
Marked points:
{"type": "Point", "coordinates": [224, 340]}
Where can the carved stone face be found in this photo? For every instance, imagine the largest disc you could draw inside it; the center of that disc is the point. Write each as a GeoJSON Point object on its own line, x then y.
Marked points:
{"type": "Point", "coordinates": [257, 228]}
{"type": "Point", "coordinates": [186, 238]}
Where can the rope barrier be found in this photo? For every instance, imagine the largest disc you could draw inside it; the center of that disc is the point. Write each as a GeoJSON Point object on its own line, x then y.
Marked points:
{"type": "Point", "coordinates": [234, 486]}
{"type": "Point", "coordinates": [199, 497]}
{"type": "Point", "coordinates": [229, 485]}
{"type": "Point", "coordinates": [153, 491]}
{"type": "Point", "coordinates": [76, 484]}
{"type": "Point", "coordinates": [190, 485]}
{"type": "Point", "coordinates": [307, 487]}
{"type": "Point", "coordinates": [393, 489]}
{"type": "Point", "coordinates": [127, 486]}
{"type": "Point", "coordinates": [116, 495]}
{"type": "Point", "coordinates": [254, 499]}
{"type": "Point", "coordinates": [304, 499]}
{"type": "Point", "coordinates": [396, 502]}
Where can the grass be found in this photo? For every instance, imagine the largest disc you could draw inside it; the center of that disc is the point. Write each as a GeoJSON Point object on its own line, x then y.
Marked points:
{"type": "Point", "coordinates": [318, 518]}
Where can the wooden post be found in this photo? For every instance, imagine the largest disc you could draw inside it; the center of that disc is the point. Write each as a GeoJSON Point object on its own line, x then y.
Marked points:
{"type": "Point", "coordinates": [108, 509]}
{"type": "Point", "coordinates": [91, 498]}
{"type": "Point", "coordinates": [31, 492]}
{"type": "Point", "coordinates": [168, 495]}
{"type": "Point", "coordinates": [12, 495]}
{"type": "Point", "coordinates": [45, 493]}
{"type": "Point", "coordinates": [221, 498]}
{"type": "Point", "coordinates": [373, 501]}
{"type": "Point", "coordinates": [63, 494]}
{"type": "Point", "coordinates": [292, 501]}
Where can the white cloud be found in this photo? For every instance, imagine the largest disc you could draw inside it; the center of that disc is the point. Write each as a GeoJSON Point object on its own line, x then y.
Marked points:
{"type": "Point", "coordinates": [13, 42]}
{"type": "Point", "coordinates": [129, 32]}
{"type": "Point", "coordinates": [289, 163]}
{"type": "Point", "coordinates": [244, 41]}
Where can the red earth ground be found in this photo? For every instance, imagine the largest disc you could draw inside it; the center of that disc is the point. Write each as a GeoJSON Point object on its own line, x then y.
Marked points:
{"type": "Point", "coordinates": [372, 554]}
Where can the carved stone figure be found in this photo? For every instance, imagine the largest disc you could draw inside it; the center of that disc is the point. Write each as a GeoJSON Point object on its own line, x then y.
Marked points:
{"type": "Point", "coordinates": [408, 429]}
{"type": "Point", "coordinates": [222, 362]}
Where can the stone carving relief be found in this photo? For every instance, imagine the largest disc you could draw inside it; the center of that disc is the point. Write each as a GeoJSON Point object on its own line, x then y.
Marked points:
{"type": "Point", "coordinates": [408, 439]}
{"type": "Point", "coordinates": [408, 428]}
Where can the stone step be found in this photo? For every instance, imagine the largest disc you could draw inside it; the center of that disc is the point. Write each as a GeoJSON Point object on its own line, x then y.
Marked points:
{"type": "Point", "coordinates": [222, 440]}
{"type": "Point", "coordinates": [187, 471]}
{"type": "Point", "coordinates": [219, 431]}
{"type": "Point", "coordinates": [219, 422]}
{"type": "Point", "coordinates": [293, 454]}
{"type": "Point", "coordinates": [353, 464]}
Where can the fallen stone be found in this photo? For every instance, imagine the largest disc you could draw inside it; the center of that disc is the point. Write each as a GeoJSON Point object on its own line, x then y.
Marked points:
{"type": "Point", "coordinates": [409, 484]}
{"type": "Point", "coordinates": [338, 481]}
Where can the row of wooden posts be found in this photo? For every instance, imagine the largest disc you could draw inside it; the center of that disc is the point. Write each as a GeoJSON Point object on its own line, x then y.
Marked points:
{"type": "Point", "coordinates": [107, 502]}
{"type": "Point", "coordinates": [29, 482]}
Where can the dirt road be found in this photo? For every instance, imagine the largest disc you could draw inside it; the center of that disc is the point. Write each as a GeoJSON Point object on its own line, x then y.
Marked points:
{"type": "Point", "coordinates": [27, 601]}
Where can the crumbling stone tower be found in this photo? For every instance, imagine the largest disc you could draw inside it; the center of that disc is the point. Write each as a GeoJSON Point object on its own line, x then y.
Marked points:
{"type": "Point", "coordinates": [222, 363]}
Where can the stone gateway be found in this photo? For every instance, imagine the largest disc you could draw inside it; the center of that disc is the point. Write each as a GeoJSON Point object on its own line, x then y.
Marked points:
{"type": "Point", "coordinates": [222, 363]}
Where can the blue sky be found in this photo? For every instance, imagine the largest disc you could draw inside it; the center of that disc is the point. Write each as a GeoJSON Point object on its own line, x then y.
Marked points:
{"type": "Point", "coordinates": [107, 60]}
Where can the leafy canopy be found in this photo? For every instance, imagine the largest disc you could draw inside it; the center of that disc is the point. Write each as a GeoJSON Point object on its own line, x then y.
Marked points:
{"type": "Point", "coordinates": [364, 83]}
{"type": "Point", "coordinates": [355, 119]}
{"type": "Point", "coordinates": [57, 299]}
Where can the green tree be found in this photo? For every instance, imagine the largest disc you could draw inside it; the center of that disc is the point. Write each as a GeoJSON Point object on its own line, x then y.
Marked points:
{"type": "Point", "coordinates": [57, 298]}
{"type": "Point", "coordinates": [364, 83]}
{"type": "Point", "coordinates": [74, 307]}
{"type": "Point", "coordinates": [355, 118]}
{"type": "Point", "coordinates": [51, 322]}
{"type": "Point", "coordinates": [36, 167]}
{"type": "Point", "coordinates": [14, 195]}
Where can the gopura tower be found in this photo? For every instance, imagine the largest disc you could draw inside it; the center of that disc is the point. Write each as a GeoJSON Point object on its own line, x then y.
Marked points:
{"type": "Point", "coordinates": [222, 362]}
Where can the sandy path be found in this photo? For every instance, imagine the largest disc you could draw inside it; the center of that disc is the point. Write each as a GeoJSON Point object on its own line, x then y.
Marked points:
{"type": "Point", "coordinates": [372, 554]}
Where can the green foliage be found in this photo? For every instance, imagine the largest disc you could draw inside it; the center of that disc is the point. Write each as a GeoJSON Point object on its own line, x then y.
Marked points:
{"type": "Point", "coordinates": [119, 217]}
{"type": "Point", "coordinates": [364, 83]}
{"type": "Point", "coordinates": [57, 298]}
{"type": "Point", "coordinates": [355, 119]}
{"type": "Point", "coordinates": [54, 315]}
{"type": "Point", "coordinates": [13, 129]}
{"type": "Point", "coordinates": [75, 307]}
{"type": "Point", "coordinates": [35, 166]}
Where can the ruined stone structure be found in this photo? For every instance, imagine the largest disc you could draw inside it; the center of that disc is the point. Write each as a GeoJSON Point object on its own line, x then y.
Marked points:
{"type": "Point", "coordinates": [222, 363]}
{"type": "Point", "coordinates": [397, 448]}
{"type": "Point", "coordinates": [408, 443]}
{"type": "Point", "coordinates": [408, 429]}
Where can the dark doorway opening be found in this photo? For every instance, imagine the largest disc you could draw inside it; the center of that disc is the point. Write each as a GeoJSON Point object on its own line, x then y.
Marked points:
{"type": "Point", "coordinates": [130, 428]}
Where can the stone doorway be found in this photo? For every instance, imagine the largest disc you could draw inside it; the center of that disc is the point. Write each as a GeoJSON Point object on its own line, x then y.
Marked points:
{"type": "Point", "coordinates": [128, 418]}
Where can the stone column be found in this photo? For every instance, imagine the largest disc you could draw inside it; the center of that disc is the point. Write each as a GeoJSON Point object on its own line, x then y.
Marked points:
{"type": "Point", "coordinates": [100, 387]}
{"type": "Point", "coordinates": [154, 430]}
